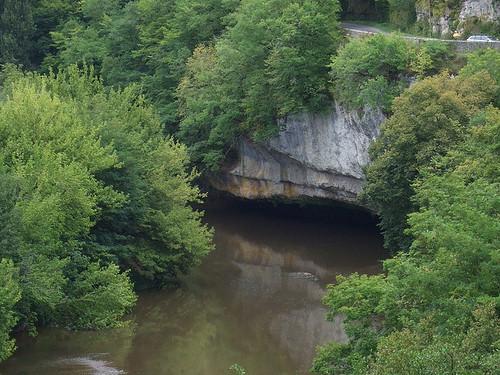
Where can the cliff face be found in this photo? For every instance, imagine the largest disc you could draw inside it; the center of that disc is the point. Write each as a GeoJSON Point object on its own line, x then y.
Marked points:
{"type": "Point", "coordinates": [485, 10]}
{"type": "Point", "coordinates": [461, 17]}
{"type": "Point", "coordinates": [315, 156]}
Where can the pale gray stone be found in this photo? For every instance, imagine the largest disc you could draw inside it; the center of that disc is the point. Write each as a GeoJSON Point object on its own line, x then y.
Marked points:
{"type": "Point", "coordinates": [314, 155]}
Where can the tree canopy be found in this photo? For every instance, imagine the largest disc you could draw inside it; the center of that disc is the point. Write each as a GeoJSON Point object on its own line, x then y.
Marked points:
{"type": "Point", "coordinates": [434, 310]}
{"type": "Point", "coordinates": [143, 41]}
{"type": "Point", "coordinates": [270, 63]}
{"type": "Point", "coordinates": [373, 71]}
{"type": "Point", "coordinates": [97, 191]}
{"type": "Point", "coordinates": [89, 185]}
{"type": "Point", "coordinates": [429, 118]}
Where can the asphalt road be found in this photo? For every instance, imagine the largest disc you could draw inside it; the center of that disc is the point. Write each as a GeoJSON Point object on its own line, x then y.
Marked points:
{"type": "Point", "coordinates": [358, 27]}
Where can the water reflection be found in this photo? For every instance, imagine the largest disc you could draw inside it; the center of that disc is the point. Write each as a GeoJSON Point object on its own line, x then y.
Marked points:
{"type": "Point", "coordinates": [255, 301]}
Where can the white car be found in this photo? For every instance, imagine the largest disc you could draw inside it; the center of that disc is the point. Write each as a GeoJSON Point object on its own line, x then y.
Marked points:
{"type": "Point", "coordinates": [480, 38]}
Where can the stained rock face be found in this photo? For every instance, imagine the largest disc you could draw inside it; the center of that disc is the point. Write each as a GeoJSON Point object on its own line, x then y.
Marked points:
{"type": "Point", "coordinates": [314, 155]}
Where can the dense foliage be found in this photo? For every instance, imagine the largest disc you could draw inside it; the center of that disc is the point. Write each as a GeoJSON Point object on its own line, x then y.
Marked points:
{"type": "Point", "coordinates": [88, 183]}
{"type": "Point", "coordinates": [373, 71]}
{"type": "Point", "coordinates": [9, 296]}
{"type": "Point", "coordinates": [95, 199]}
{"type": "Point", "coordinates": [428, 118]}
{"type": "Point", "coordinates": [26, 26]}
{"type": "Point", "coordinates": [146, 41]}
{"type": "Point", "coordinates": [17, 26]}
{"type": "Point", "coordinates": [435, 309]}
{"type": "Point", "coordinates": [271, 62]}
{"type": "Point", "coordinates": [224, 68]}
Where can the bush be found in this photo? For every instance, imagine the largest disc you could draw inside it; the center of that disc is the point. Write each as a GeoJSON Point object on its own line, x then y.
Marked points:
{"type": "Point", "coordinates": [10, 294]}
{"type": "Point", "coordinates": [373, 71]}
{"type": "Point", "coordinates": [106, 290]}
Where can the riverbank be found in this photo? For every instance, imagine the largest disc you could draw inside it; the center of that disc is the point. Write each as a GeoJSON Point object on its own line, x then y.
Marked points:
{"type": "Point", "coordinates": [256, 300]}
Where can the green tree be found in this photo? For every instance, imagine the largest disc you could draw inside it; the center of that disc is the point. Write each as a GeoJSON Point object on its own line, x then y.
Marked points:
{"type": "Point", "coordinates": [428, 119]}
{"type": "Point", "coordinates": [434, 311]}
{"type": "Point", "coordinates": [484, 60]}
{"type": "Point", "coordinates": [17, 26]}
{"type": "Point", "coordinates": [106, 289]}
{"type": "Point", "coordinates": [48, 16]}
{"type": "Point", "coordinates": [84, 39]}
{"type": "Point", "coordinates": [417, 352]}
{"type": "Point", "coordinates": [373, 71]}
{"type": "Point", "coordinates": [370, 71]}
{"type": "Point", "coordinates": [155, 232]}
{"type": "Point", "coordinates": [26, 27]}
{"type": "Point", "coordinates": [9, 295]}
{"type": "Point", "coordinates": [271, 62]}
{"type": "Point", "coordinates": [146, 41]}
{"type": "Point", "coordinates": [89, 183]}
{"type": "Point", "coordinates": [50, 156]}
{"type": "Point", "coordinates": [169, 33]}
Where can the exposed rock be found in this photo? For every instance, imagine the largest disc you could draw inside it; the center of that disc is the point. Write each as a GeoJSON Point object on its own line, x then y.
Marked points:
{"type": "Point", "coordinates": [486, 10]}
{"type": "Point", "coordinates": [478, 10]}
{"type": "Point", "coordinates": [454, 19]}
{"type": "Point", "coordinates": [314, 155]}
{"type": "Point", "coordinates": [440, 25]}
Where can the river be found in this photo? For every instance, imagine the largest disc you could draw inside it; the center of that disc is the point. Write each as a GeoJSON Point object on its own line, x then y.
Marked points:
{"type": "Point", "coordinates": [255, 301]}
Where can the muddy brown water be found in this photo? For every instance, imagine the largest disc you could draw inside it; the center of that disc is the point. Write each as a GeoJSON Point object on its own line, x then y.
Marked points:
{"type": "Point", "coordinates": [255, 301]}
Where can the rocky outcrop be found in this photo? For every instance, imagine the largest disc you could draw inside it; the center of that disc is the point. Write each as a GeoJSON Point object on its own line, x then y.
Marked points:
{"type": "Point", "coordinates": [440, 24]}
{"type": "Point", "coordinates": [454, 21]}
{"type": "Point", "coordinates": [486, 10]}
{"type": "Point", "coordinates": [313, 156]}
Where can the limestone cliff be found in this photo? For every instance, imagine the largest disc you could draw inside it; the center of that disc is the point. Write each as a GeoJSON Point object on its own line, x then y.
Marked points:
{"type": "Point", "coordinates": [314, 155]}
{"type": "Point", "coordinates": [462, 17]}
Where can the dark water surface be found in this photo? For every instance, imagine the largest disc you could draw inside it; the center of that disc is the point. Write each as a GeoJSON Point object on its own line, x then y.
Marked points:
{"type": "Point", "coordinates": [255, 301]}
